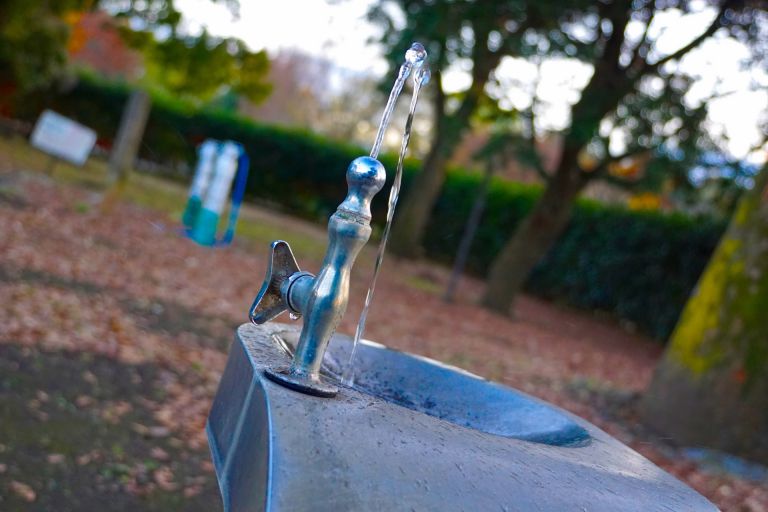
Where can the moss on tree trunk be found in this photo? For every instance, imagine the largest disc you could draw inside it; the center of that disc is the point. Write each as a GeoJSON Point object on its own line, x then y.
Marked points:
{"type": "Point", "coordinates": [711, 387]}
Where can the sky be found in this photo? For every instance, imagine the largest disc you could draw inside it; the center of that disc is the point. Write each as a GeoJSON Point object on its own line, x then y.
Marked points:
{"type": "Point", "coordinates": [336, 31]}
{"type": "Point", "coordinates": [339, 32]}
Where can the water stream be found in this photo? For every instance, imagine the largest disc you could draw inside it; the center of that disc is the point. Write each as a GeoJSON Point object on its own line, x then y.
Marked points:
{"type": "Point", "coordinates": [415, 57]}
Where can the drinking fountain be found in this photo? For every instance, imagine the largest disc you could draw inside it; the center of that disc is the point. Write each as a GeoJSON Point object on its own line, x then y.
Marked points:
{"type": "Point", "coordinates": [286, 433]}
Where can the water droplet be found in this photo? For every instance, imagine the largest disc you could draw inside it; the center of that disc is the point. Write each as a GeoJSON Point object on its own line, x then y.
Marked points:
{"type": "Point", "coordinates": [416, 55]}
{"type": "Point", "coordinates": [293, 316]}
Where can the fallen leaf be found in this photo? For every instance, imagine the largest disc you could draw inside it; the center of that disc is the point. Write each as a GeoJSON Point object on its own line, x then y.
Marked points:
{"type": "Point", "coordinates": [84, 401]}
{"type": "Point", "coordinates": [192, 491]}
{"type": "Point", "coordinates": [87, 458]}
{"type": "Point", "coordinates": [159, 454]}
{"type": "Point", "coordinates": [158, 431]}
{"type": "Point", "coordinates": [55, 458]}
{"type": "Point", "coordinates": [24, 491]}
{"type": "Point", "coordinates": [164, 478]}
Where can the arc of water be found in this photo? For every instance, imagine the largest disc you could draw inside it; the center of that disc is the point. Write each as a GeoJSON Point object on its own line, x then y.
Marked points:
{"type": "Point", "coordinates": [415, 57]}
{"type": "Point", "coordinates": [420, 78]}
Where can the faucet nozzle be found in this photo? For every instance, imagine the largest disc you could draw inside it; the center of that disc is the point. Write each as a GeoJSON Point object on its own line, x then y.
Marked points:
{"type": "Point", "coordinates": [321, 300]}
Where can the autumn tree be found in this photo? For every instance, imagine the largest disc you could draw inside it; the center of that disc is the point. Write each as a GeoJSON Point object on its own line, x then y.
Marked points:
{"type": "Point", "coordinates": [477, 33]}
{"type": "Point", "coordinates": [637, 94]}
{"type": "Point", "coordinates": [711, 387]}
{"type": "Point", "coordinates": [299, 81]}
{"type": "Point", "coordinates": [203, 67]}
{"type": "Point", "coordinates": [33, 51]}
{"type": "Point", "coordinates": [33, 37]}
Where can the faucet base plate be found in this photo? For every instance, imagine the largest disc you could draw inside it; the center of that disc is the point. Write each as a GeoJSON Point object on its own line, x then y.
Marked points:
{"type": "Point", "coordinates": [301, 382]}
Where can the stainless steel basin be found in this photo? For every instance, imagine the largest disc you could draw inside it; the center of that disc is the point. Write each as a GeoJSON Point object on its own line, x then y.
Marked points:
{"type": "Point", "coordinates": [450, 393]}
{"type": "Point", "coordinates": [413, 434]}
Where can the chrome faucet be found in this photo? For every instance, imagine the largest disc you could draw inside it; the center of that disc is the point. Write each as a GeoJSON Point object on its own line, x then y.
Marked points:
{"type": "Point", "coordinates": [322, 299]}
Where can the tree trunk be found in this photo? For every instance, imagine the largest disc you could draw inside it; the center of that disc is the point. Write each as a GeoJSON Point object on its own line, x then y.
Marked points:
{"type": "Point", "coordinates": [408, 230]}
{"type": "Point", "coordinates": [711, 387]}
{"type": "Point", "coordinates": [533, 238]}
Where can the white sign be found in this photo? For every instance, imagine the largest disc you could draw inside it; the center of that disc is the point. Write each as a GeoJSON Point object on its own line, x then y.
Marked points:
{"type": "Point", "coordinates": [62, 137]}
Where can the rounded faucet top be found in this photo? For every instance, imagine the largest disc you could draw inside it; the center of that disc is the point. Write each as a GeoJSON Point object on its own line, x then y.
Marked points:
{"type": "Point", "coordinates": [365, 177]}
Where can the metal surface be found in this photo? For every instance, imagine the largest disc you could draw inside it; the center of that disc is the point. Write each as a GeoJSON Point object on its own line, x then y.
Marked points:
{"type": "Point", "coordinates": [270, 302]}
{"type": "Point", "coordinates": [321, 300]}
{"type": "Point", "coordinates": [414, 435]}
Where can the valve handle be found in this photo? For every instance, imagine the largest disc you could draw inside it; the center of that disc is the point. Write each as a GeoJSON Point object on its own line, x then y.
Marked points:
{"type": "Point", "coordinates": [270, 302]}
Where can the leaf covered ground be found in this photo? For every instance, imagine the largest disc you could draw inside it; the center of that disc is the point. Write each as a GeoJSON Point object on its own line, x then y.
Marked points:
{"type": "Point", "coordinates": [114, 331]}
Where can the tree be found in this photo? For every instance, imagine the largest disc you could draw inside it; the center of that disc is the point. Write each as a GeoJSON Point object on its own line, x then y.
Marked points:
{"type": "Point", "coordinates": [196, 67]}
{"type": "Point", "coordinates": [636, 94]}
{"type": "Point", "coordinates": [33, 37]}
{"type": "Point", "coordinates": [480, 33]}
{"type": "Point", "coordinates": [299, 82]}
{"type": "Point", "coordinates": [711, 387]}
{"type": "Point", "coordinates": [203, 67]}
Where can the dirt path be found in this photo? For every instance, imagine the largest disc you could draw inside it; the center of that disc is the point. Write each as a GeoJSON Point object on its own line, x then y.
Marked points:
{"type": "Point", "coordinates": [79, 432]}
{"type": "Point", "coordinates": [115, 331]}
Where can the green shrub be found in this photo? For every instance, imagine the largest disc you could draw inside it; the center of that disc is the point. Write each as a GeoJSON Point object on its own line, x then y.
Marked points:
{"type": "Point", "coordinates": [639, 266]}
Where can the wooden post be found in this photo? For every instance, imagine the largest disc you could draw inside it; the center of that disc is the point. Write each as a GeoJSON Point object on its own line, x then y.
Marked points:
{"type": "Point", "coordinates": [126, 147]}
{"type": "Point", "coordinates": [469, 232]}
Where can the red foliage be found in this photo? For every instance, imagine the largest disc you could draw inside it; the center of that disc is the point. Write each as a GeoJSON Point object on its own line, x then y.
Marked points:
{"type": "Point", "coordinates": [97, 44]}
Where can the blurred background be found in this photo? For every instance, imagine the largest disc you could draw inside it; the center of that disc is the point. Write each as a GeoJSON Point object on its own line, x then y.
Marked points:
{"type": "Point", "coordinates": [584, 217]}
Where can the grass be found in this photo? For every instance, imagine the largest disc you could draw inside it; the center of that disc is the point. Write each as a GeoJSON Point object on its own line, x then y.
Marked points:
{"type": "Point", "coordinates": [160, 195]}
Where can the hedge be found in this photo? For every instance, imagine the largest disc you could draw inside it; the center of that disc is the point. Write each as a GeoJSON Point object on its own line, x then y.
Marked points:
{"type": "Point", "coordinates": [640, 266]}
